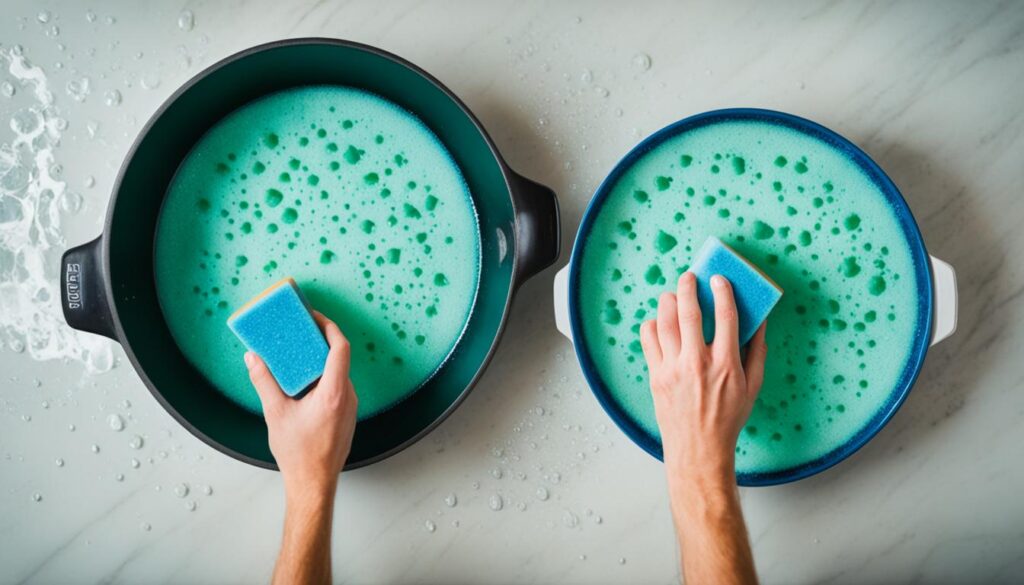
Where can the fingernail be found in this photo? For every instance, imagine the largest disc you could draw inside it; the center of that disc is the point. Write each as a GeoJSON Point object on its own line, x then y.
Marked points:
{"type": "Point", "coordinates": [717, 281]}
{"type": "Point", "coordinates": [248, 359]}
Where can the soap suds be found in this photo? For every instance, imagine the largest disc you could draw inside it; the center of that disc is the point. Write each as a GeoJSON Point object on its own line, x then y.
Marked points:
{"type": "Point", "coordinates": [33, 201]}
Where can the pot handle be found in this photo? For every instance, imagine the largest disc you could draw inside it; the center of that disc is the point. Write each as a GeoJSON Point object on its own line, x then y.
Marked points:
{"type": "Point", "coordinates": [538, 231]}
{"type": "Point", "coordinates": [82, 294]}
{"type": "Point", "coordinates": [562, 302]}
{"type": "Point", "coordinates": [944, 318]}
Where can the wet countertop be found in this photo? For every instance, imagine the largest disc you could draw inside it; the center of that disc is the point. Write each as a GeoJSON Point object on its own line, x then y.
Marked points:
{"type": "Point", "coordinates": [528, 481]}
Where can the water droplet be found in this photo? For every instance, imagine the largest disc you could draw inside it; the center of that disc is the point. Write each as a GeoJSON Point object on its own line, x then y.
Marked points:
{"type": "Point", "coordinates": [78, 89]}
{"type": "Point", "coordinates": [150, 80]}
{"type": "Point", "coordinates": [112, 97]}
{"type": "Point", "coordinates": [495, 502]}
{"type": "Point", "coordinates": [37, 497]}
{"type": "Point", "coordinates": [587, 76]}
{"type": "Point", "coordinates": [496, 473]}
{"type": "Point", "coordinates": [119, 477]}
{"type": "Point", "coordinates": [208, 490]}
{"type": "Point", "coordinates": [429, 526]}
{"type": "Point", "coordinates": [59, 462]}
{"type": "Point", "coordinates": [186, 20]}
{"type": "Point", "coordinates": [190, 505]}
{"type": "Point", "coordinates": [642, 61]}
{"type": "Point", "coordinates": [7, 89]}
{"type": "Point", "coordinates": [136, 442]}
{"type": "Point", "coordinates": [451, 500]}
{"type": "Point", "coordinates": [135, 463]}
{"type": "Point", "coordinates": [95, 448]}
{"type": "Point", "coordinates": [90, 16]}
{"type": "Point", "coordinates": [601, 92]}
{"type": "Point", "coordinates": [145, 526]}
{"type": "Point", "coordinates": [43, 17]}
{"type": "Point", "coordinates": [181, 490]}
{"type": "Point", "coordinates": [542, 494]}
{"type": "Point", "coordinates": [115, 422]}
{"type": "Point", "coordinates": [622, 560]}
{"type": "Point", "coordinates": [71, 427]}
{"type": "Point", "coordinates": [570, 519]}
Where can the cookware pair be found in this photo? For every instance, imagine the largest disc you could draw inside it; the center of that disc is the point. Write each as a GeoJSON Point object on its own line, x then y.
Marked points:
{"type": "Point", "coordinates": [109, 289]}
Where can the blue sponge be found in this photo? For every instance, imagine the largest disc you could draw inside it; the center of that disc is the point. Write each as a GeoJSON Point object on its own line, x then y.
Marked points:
{"type": "Point", "coordinates": [755, 293]}
{"type": "Point", "coordinates": [278, 327]}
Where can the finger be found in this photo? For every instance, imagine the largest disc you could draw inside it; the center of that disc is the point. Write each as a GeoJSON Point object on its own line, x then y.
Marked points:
{"type": "Point", "coordinates": [338, 359]}
{"type": "Point", "coordinates": [757, 353]}
{"type": "Point", "coordinates": [336, 367]}
{"type": "Point", "coordinates": [726, 343]}
{"type": "Point", "coordinates": [668, 325]}
{"type": "Point", "coordinates": [330, 329]}
{"type": "Point", "coordinates": [691, 330]}
{"type": "Point", "coordinates": [649, 343]}
{"type": "Point", "coordinates": [270, 393]}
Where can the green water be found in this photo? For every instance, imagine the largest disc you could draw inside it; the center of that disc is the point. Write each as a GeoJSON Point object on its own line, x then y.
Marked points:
{"type": "Point", "coordinates": [813, 221]}
{"type": "Point", "coordinates": [353, 197]}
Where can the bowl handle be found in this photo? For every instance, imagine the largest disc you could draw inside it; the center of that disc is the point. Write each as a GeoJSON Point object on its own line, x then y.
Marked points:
{"type": "Point", "coordinates": [562, 302]}
{"type": "Point", "coordinates": [944, 319]}
{"type": "Point", "coordinates": [82, 294]}
{"type": "Point", "coordinates": [538, 231]}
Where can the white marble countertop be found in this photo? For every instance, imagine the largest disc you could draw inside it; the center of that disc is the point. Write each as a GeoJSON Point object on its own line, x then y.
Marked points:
{"type": "Point", "coordinates": [931, 90]}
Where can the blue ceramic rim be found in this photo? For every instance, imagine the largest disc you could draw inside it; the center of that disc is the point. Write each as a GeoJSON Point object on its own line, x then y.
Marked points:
{"type": "Point", "coordinates": [919, 254]}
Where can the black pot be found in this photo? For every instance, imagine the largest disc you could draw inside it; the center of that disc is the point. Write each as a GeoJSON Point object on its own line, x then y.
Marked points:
{"type": "Point", "coordinates": [108, 283]}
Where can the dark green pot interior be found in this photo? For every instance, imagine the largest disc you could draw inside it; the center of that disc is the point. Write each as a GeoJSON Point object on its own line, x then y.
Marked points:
{"type": "Point", "coordinates": [161, 148]}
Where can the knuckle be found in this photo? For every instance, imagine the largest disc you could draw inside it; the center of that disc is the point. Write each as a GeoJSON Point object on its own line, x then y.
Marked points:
{"type": "Point", "coordinates": [344, 346]}
{"type": "Point", "coordinates": [727, 313]}
{"type": "Point", "coordinates": [690, 316]}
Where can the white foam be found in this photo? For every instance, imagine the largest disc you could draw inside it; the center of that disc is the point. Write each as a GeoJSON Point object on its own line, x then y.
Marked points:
{"type": "Point", "coordinates": [33, 202]}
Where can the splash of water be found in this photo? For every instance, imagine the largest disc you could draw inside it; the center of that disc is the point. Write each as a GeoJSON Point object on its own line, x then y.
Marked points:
{"type": "Point", "coordinates": [33, 201]}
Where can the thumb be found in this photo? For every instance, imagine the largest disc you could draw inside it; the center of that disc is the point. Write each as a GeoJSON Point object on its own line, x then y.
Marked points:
{"type": "Point", "coordinates": [271, 395]}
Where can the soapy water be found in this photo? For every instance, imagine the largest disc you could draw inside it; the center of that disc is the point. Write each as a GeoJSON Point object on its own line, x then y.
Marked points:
{"type": "Point", "coordinates": [842, 333]}
{"type": "Point", "coordinates": [33, 203]}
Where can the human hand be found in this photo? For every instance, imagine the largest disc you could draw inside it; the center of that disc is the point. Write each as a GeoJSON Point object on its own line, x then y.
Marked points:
{"type": "Point", "coordinates": [310, 437]}
{"type": "Point", "coordinates": [702, 393]}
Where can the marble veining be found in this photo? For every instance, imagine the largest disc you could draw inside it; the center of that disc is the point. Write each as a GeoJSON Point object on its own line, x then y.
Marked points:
{"type": "Point", "coordinates": [931, 90]}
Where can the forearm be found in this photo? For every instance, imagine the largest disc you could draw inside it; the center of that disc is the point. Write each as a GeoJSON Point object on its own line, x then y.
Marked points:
{"type": "Point", "coordinates": [306, 542]}
{"type": "Point", "coordinates": [712, 535]}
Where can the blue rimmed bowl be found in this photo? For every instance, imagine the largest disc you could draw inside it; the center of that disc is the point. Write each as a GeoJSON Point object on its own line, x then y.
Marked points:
{"type": "Point", "coordinates": [935, 279]}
